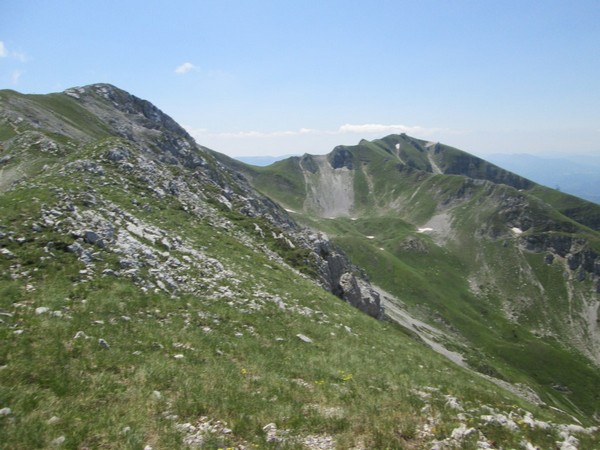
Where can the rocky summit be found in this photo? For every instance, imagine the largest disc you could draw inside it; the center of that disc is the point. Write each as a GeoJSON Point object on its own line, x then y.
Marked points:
{"type": "Point", "coordinates": [395, 294]}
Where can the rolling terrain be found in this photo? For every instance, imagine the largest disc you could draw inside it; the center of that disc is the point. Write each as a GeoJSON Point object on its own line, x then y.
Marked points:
{"type": "Point", "coordinates": [150, 297]}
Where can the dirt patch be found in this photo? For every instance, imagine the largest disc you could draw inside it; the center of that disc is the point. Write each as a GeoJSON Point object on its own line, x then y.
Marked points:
{"type": "Point", "coordinates": [439, 227]}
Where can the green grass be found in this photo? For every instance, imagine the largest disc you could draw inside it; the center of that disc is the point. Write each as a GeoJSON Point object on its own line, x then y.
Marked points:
{"type": "Point", "coordinates": [104, 398]}
{"type": "Point", "coordinates": [281, 180]}
{"type": "Point", "coordinates": [365, 382]}
{"type": "Point", "coordinates": [69, 110]}
{"type": "Point", "coordinates": [247, 381]}
{"type": "Point", "coordinates": [432, 282]}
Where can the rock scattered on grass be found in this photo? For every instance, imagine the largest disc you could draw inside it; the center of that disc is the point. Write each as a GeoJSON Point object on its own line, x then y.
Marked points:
{"type": "Point", "coordinates": [304, 338]}
{"type": "Point", "coordinates": [59, 441]}
{"type": "Point", "coordinates": [80, 335]}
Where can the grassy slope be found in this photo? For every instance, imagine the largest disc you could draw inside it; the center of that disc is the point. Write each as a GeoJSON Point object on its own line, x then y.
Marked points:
{"type": "Point", "coordinates": [434, 279]}
{"type": "Point", "coordinates": [59, 107]}
{"type": "Point", "coordinates": [433, 282]}
{"type": "Point", "coordinates": [363, 384]}
{"type": "Point", "coordinates": [367, 376]}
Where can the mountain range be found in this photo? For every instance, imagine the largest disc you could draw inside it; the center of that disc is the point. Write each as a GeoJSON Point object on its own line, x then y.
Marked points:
{"type": "Point", "coordinates": [574, 174]}
{"type": "Point", "coordinates": [578, 175]}
{"type": "Point", "coordinates": [394, 294]}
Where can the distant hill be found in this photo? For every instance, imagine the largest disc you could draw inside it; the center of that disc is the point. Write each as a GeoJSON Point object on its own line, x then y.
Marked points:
{"type": "Point", "coordinates": [577, 175]}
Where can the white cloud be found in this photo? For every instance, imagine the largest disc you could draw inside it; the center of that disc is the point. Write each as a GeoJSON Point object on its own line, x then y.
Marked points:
{"type": "Point", "coordinates": [185, 68]}
{"type": "Point", "coordinates": [382, 129]}
{"type": "Point", "coordinates": [305, 140]}
{"type": "Point", "coordinates": [203, 132]}
{"type": "Point", "coordinates": [4, 53]}
{"type": "Point", "coordinates": [361, 129]}
{"type": "Point", "coordinates": [16, 76]}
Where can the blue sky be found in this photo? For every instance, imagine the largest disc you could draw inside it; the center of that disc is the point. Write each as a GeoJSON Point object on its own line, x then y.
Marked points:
{"type": "Point", "coordinates": [288, 77]}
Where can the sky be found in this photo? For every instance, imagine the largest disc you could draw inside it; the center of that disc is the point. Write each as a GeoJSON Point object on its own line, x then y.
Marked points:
{"type": "Point", "coordinates": [261, 77]}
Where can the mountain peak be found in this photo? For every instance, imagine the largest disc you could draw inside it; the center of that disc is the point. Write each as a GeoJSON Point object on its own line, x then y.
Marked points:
{"type": "Point", "coordinates": [149, 116]}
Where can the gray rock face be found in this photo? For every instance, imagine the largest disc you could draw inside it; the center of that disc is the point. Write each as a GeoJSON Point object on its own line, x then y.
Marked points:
{"type": "Point", "coordinates": [340, 157]}
{"type": "Point", "coordinates": [360, 295]}
{"type": "Point", "coordinates": [117, 154]}
{"type": "Point", "coordinates": [336, 274]}
{"type": "Point", "coordinates": [92, 238]}
{"type": "Point", "coordinates": [577, 252]}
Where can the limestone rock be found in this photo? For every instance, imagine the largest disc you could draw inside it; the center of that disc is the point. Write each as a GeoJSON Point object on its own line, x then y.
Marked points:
{"type": "Point", "coordinates": [304, 338]}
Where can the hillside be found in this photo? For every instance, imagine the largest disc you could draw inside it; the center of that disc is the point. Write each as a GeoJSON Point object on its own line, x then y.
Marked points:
{"type": "Point", "coordinates": [508, 268]}
{"type": "Point", "coordinates": [150, 298]}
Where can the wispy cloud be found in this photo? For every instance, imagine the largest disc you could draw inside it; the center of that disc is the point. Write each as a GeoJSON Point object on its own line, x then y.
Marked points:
{"type": "Point", "coordinates": [16, 77]}
{"type": "Point", "coordinates": [22, 57]}
{"type": "Point", "coordinates": [6, 53]}
{"type": "Point", "coordinates": [305, 140]}
{"type": "Point", "coordinates": [378, 128]}
{"type": "Point", "coordinates": [361, 129]}
{"type": "Point", "coordinates": [203, 132]}
{"type": "Point", "coordinates": [185, 68]}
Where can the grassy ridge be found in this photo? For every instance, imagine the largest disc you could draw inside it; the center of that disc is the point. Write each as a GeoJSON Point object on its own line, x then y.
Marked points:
{"type": "Point", "coordinates": [248, 370]}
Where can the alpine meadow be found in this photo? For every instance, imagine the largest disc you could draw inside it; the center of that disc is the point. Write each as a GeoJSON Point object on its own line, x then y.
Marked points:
{"type": "Point", "coordinates": [394, 294]}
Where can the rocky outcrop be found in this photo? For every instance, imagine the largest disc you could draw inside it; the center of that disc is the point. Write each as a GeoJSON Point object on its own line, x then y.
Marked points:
{"type": "Point", "coordinates": [307, 162]}
{"type": "Point", "coordinates": [361, 295]}
{"type": "Point", "coordinates": [339, 276]}
{"type": "Point", "coordinates": [340, 157]}
{"type": "Point", "coordinates": [575, 250]}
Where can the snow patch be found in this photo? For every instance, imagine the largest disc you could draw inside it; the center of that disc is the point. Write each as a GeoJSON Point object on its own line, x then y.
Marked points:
{"type": "Point", "coordinates": [370, 237]}
{"type": "Point", "coordinates": [424, 230]}
{"type": "Point", "coordinates": [516, 230]}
